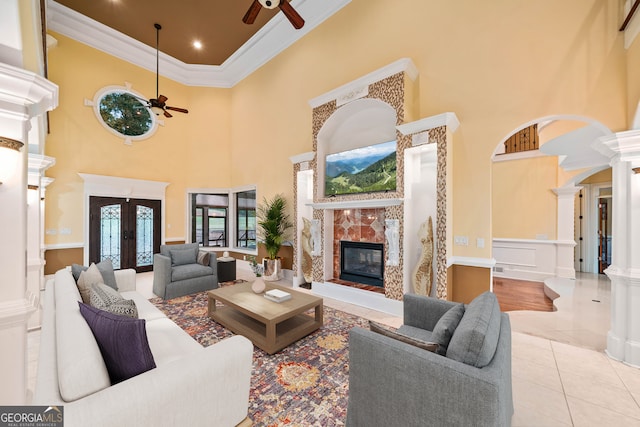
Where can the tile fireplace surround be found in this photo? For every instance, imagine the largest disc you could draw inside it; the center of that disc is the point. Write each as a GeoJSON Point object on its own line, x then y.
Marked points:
{"type": "Point", "coordinates": [356, 225]}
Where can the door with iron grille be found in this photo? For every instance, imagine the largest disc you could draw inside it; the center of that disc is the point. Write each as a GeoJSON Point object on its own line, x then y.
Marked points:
{"type": "Point", "coordinates": [126, 231]}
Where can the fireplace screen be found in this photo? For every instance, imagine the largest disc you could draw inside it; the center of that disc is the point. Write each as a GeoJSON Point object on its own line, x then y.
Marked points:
{"type": "Point", "coordinates": [362, 262]}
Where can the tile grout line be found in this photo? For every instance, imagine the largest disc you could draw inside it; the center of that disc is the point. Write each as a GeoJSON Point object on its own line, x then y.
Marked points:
{"type": "Point", "coordinates": [564, 391]}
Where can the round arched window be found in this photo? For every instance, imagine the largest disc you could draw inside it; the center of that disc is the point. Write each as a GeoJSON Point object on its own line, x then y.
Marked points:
{"type": "Point", "coordinates": [124, 113]}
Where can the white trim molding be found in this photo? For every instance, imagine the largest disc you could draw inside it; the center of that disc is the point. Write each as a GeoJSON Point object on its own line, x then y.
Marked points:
{"type": "Point", "coordinates": [16, 312]}
{"type": "Point", "coordinates": [450, 120]}
{"type": "Point", "coordinates": [530, 259]}
{"type": "Point", "coordinates": [402, 65]}
{"type": "Point", "coordinates": [353, 204]}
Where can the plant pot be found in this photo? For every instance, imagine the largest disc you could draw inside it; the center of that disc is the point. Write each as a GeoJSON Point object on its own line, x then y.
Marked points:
{"type": "Point", "coordinates": [272, 269]}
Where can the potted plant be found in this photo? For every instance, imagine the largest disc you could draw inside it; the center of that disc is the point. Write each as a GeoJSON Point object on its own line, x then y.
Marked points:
{"type": "Point", "coordinates": [274, 225]}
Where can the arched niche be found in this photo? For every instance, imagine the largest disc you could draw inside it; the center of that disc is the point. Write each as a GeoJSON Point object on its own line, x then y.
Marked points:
{"type": "Point", "coordinates": [357, 124]}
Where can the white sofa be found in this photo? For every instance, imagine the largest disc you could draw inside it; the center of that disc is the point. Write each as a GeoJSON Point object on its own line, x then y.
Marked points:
{"type": "Point", "coordinates": [191, 385]}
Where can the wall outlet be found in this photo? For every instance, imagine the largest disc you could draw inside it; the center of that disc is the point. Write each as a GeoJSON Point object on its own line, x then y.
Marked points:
{"type": "Point", "coordinates": [65, 231]}
{"type": "Point", "coordinates": [461, 240]}
{"type": "Point", "coordinates": [480, 242]}
{"type": "Point", "coordinates": [51, 231]}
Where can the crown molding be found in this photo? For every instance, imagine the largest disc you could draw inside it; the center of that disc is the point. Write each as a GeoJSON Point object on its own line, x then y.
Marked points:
{"type": "Point", "coordinates": [268, 42]}
{"type": "Point", "coordinates": [402, 65]}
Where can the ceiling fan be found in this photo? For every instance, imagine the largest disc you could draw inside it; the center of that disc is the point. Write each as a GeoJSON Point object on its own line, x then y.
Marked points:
{"type": "Point", "coordinates": [158, 104]}
{"type": "Point", "coordinates": [288, 10]}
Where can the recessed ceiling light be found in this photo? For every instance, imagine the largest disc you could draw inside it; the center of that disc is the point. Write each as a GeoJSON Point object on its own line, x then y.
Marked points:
{"type": "Point", "coordinates": [197, 44]}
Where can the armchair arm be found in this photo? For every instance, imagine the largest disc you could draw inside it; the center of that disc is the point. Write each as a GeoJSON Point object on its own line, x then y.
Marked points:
{"type": "Point", "coordinates": [424, 312]}
{"type": "Point", "coordinates": [213, 262]}
{"type": "Point", "coordinates": [161, 274]}
{"type": "Point", "coordinates": [394, 383]}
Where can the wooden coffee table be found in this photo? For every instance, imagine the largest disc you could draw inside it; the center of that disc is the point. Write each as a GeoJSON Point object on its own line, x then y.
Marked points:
{"type": "Point", "coordinates": [270, 325]}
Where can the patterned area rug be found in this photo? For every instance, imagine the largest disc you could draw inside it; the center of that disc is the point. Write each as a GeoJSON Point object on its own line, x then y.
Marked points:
{"type": "Point", "coordinates": [305, 384]}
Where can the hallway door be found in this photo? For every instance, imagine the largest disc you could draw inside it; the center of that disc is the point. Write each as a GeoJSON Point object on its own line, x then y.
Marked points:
{"type": "Point", "coordinates": [604, 234]}
{"type": "Point", "coordinates": [126, 231]}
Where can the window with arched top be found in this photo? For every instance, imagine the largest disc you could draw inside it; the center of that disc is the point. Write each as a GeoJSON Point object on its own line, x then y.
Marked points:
{"type": "Point", "coordinates": [524, 140]}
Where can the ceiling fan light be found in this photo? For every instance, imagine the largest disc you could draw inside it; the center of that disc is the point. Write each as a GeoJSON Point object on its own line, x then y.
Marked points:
{"type": "Point", "coordinates": [156, 110]}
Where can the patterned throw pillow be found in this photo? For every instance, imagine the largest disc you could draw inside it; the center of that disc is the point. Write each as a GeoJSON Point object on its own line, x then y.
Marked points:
{"type": "Point", "coordinates": [87, 278]}
{"type": "Point", "coordinates": [379, 329]}
{"type": "Point", "coordinates": [105, 298]}
{"type": "Point", "coordinates": [122, 341]}
{"type": "Point", "coordinates": [203, 258]}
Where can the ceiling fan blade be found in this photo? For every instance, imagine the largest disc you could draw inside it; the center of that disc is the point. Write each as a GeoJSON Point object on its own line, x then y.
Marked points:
{"type": "Point", "coordinates": [180, 110]}
{"type": "Point", "coordinates": [291, 14]}
{"type": "Point", "coordinates": [166, 114]}
{"type": "Point", "coordinates": [162, 99]}
{"type": "Point", "coordinates": [252, 13]}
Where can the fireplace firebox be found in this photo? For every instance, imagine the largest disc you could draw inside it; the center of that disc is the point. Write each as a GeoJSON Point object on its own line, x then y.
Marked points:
{"type": "Point", "coordinates": [362, 262]}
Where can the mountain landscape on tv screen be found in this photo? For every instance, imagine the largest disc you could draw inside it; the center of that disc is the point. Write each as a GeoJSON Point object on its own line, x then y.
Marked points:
{"type": "Point", "coordinates": [362, 170]}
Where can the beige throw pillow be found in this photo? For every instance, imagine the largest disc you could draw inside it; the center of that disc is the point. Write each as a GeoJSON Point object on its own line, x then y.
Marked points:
{"type": "Point", "coordinates": [87, 278]}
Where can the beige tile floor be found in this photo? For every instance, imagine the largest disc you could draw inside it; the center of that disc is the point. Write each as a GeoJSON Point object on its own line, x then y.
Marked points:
{"type": "Point", "coordinates": [561, 376]}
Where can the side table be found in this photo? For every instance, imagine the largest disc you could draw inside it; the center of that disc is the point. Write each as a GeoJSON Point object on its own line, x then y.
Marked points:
{"type": "Point", "coordinates": [226, 270]}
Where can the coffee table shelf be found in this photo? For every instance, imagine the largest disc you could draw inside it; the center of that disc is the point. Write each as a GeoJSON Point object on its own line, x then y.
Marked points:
{"type": "Point", "coordinates": [269, 325]}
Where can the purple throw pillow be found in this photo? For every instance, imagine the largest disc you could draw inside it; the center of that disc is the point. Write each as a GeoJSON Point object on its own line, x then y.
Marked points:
{"type": "Point", "coordinates": [122, 342]}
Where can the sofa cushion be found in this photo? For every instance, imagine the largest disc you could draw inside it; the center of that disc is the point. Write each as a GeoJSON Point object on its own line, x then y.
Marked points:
{"type": "Point", "coordinates": [189, 271]}
{"type": "Point", "coordinates": [379, 329]}
{"type": "Point", "coordinates": [106, 269]}
{"type": "Point", "coordinates": [475, 339]}
{"type": "Point", "coordinates": [146, 310]}
{"type": "Point", "coordinates": [444, 328]}
{"type": "Point", "coordinates": [122, 341]}
{"type": "Point", "coordinates": [183, 256]}
{"type": "Point", "coordinates": [80, 368]}
{"type": "Point", "coordinates": [166, 249]}
{"type": "Point", "coordinates": [169, 342]}
{"type": "Point", "coordinates": [105, 298]}
{"type": "Point", "coordinates": [88, 278]}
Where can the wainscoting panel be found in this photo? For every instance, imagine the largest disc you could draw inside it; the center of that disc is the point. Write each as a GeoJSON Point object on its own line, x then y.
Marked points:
{"type": "Point", "coordinates": [525, 259]}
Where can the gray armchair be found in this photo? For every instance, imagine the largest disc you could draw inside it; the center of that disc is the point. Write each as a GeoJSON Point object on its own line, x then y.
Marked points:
{"type": "Point", "coordinates": [176, 271]}
{"type": "Point", "coordinates": [395, 383]}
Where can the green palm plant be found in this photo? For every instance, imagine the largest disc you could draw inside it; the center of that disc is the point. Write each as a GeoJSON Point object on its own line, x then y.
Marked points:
{"type": "Point", "coordinates": [274, 223]}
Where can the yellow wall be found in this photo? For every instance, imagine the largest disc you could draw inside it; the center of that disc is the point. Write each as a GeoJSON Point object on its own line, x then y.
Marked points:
{"type": "Point", "coordinates": [600, 177]}
{"type": "Point", "coordinates": [191, 150]}
{"type": "Point", "coordinates": [481, 60]}
{"type": "Point", "coordinates": [496, 64]}
{"type": "Point", "coordinates": [523, 204]}
{"type": "Point", "coordinates": [633, 83]}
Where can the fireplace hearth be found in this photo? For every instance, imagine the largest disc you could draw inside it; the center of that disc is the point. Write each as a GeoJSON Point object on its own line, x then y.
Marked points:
{"type": "Point", "coordinates": [362, 262]}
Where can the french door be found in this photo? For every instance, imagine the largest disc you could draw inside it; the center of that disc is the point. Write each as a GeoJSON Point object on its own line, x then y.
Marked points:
{"type": "Point", "coordinates": [126, 231]}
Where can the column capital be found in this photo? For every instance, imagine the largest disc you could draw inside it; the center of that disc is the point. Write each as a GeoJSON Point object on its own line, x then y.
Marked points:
{"type": "Point", "coordinates": [625, 146]}
{"type": "Point", "coordinates": [568, 191]}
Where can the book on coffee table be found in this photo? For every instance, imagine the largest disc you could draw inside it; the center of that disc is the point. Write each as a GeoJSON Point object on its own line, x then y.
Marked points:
{"type": "Point", "coordinates": [277, 295]}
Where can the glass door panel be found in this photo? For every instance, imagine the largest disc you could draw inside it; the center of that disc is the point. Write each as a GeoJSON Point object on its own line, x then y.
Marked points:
{"type": "Point", "coordinates": [110, 238]}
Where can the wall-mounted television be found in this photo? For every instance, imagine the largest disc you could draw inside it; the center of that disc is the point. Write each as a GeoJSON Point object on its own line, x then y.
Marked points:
{"type": "Point", "coordinates": [361, 170]}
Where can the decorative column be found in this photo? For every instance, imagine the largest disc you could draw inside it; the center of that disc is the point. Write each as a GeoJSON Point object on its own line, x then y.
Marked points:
{"type": "Point", "coordinates": [623, 340]}
{"type": "Point", "coordinates": [24, 99]}
{"type": "Point", "coordinates": [565, 240]}
{"type": "Point", "coordinates": [38, 164]}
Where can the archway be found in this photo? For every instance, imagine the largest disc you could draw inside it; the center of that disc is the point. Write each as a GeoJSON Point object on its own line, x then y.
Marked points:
{"type": "Point", "coordinates": [533, 197]}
